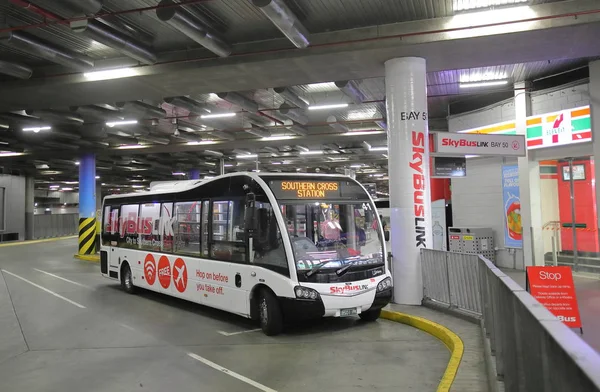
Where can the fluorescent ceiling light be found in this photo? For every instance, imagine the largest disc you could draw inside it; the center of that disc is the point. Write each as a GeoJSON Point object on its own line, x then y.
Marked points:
{"type": "Point", "coordinates": [77, 163]}
{"type": "Point", "coordinates": [131, 146]}
{"type": "Point", "coordinates": [97, 177]}
{"type": "Point", "coordinates": [378, 148]}
{"type": "Point", "coordinates": [332, 106]}
{"type": "Point", "coordinates": [315, 152]}
{"type": "Point", "coordinates": [484, 84]}
{"type": "Point", "coordinates": [228, 165]}
{"type": "Point", "coordinates": [275, 163]}
{"type": "Point", "coordinates": [377, 175]}
{"type": "Point", "coordinates": [201, 143]}
{"type": "Point", "coordinates": [71, 182]}
{"type": "Point", "coordinates": [218, 115]}
{"type": "Point", "coordinates": [54, 186]}
{"type": "Point", "coordinates": [482, 77]}
{"type": "Point", "coordinates": [273, 138]}
{"type": "Point", "coordinates": [247, 156]}
{"type": "Point", "coordinates": [320, 87]}
{"type": "Point", "coordinates": [37, 129]}
{"type": "Point", "coordinates": [178, 174]}
{"type": "Point", "coordinates": [463, 5]}
{"type": "Point", "coordinates": [117, 123]}
{"type": "Point", "coordinates": [362, 133]}
{"type": "Point", "coordinates": [138, 186]}
{"type": "Point", "coordinates": [66, 189]}
{"type": "Point", "coordinates": [6, 143]}
{"type": "Point", "coordinates": [110, 74]}
{"type": "Point", "coordinates": [10, 154]}
{"type": "Point", "coordinates": [356, 166]}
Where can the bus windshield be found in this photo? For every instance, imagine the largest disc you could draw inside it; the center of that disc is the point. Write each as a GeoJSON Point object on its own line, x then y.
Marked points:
{"type": "Point", "coordinates": [328, 236]}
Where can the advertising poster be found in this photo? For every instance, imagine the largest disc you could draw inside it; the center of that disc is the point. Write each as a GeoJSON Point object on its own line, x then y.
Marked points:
{"type": "Point", "coordinates": [449, 167]}
{"type": "Point", "coordinates": [513, 227]}
{"type": "Point", "coordinates": [553, 287]}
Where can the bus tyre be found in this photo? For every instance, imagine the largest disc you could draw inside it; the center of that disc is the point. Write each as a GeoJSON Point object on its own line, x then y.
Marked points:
{"type": "Point", "coordinates": [269, 313]}
{"type": "Point", "coordinates": [127, 279]}
{"type": "Point", "coordinates": [370, 315]}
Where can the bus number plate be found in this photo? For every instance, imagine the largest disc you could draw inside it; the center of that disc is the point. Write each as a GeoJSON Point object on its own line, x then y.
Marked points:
{"type": "Point", "coordinates": [347, 312]}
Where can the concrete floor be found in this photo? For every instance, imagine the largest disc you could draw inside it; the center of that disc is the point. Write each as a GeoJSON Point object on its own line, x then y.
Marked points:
{"type": "Point", "coordinates": [98, 338]}
{"type": "Point", "coordinates": [588, 299]}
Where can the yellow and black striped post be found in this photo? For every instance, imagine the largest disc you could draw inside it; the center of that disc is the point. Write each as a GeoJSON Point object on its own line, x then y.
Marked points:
{"type": "Point", "coordinates": [87, 236]}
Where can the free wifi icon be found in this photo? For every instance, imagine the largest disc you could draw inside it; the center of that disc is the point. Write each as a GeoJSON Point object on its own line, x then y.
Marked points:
{"type": "Point", "coordinates": [150, 269]}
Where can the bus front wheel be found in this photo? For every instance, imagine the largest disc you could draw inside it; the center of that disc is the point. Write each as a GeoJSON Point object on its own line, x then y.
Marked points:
{"type": "Point", "coordinates": [127, 279]}
{"type": "Point", "coordinates": [269, 313]}
{"type": "Point", "coordinates": [370, 315]}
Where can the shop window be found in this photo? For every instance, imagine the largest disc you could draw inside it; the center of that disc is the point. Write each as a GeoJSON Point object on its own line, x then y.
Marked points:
{"type": "Point", "coordinates": [228, 231]}
{"type": "Point", "coordinates": [187, 228]}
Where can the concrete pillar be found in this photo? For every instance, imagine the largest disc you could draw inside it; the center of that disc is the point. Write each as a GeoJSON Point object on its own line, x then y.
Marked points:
{"type": "Point", "coordinates": [221, 166]}
{"type": "Point", "coordinates": [29, 206]}
{"type": "Point", "coordinates": [194, 174]}
{"type": "Point", "coordinates": [595, 116]}
{"type": "Point", "coordinates": [410, 200]}
{"type": "Point", "coordinates": [529, 187]}
{"type": "Point", "coordinates": [87, 204]}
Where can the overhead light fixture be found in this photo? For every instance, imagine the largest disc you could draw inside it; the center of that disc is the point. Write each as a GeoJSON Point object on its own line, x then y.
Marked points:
{"type": "Point", "coordinates": [384, 155]}
{"type": "Point", "coordinates": [356, 166]}
{"type": "Point", "coordinates": [35, 204]}
{"type": "Point", "coordinates": [321, 87]}
{"type": "Point", "coordinates": [384, 148]}
{"type": "Point", "coordinates": [228, 165]}
{"type": "Point", "coordinates": [54, 186]}
{"type": "Point", "coordinates": [110, 74]}
{"type": "Point", "coordinates": [275, 163]}
{"type": "Point", "coordinates": [5, 143]}
{"type": "Point", "coordinates": [10, 154]}
{"type": "Point", "coordinates": [377, 175]}
{"type": "Point", "coordinates": [37, 129]}
{"type": "Point", "coordinates": [362, 133]}
{"type": "Point", "coordinates": [482, 77]}
{"type": "Point", "coordinates": [66, 189]}
{"type": "Point", "coordinates": [201, 143]}
{"type": "Point", "coordinates": [117, 123]}
{"type": "Point", "coordinates": [97, 177]}
{"type": "Point", "coordinates": [313, 152]}
{"type": "Point", "coordinates": [247, 156]}
{"type": "Point", "coordinates": [178, 174]}
{"type": "Point", "coordinates": [484, 84]}
{"type": "Point", "coordinates": [131, 146]}
{"type": "Point", "coordinates": [279, 137]}
{"type": "Point", "coordinates": [71, 182]}
{"type": "Point", "coordinates": [138, 186]}
{"type": "Point", "coordinates": [464, 5]}
{"type": "Point", "coordinates": [76, 163]}
{"type": "Point", "coordinates": [332, 106]}
{"type": "Point", "coordinates": [218, 115]}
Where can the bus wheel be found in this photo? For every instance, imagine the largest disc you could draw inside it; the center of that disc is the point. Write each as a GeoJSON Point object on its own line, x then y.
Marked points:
{"type": "Point", "coordinates": [370, 315]}
{"type": "Point", "coordinates": [269, 314]}
{"type": "Point", "coordinates": [127, 279]}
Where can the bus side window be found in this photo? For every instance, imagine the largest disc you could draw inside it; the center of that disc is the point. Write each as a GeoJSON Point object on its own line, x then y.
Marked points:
{"type": "Point", "coordinates": [227, 231]}
{"type": "Point", "coordinates": [187, 228]}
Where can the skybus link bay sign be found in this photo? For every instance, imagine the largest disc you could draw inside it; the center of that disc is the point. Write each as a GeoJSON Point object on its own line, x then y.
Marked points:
{"type": "Point", "coordinates": [457, 144]}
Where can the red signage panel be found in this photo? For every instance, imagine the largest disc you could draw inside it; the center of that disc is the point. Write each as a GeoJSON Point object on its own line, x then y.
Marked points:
{"type": "Point", "coordinates": [553, 287]}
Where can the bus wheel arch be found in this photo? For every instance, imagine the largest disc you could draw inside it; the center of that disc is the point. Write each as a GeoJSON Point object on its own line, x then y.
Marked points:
{"type": "Point", "coordinates": [266, 309]}
{"type": "Point", "coordinates": [126, 277]}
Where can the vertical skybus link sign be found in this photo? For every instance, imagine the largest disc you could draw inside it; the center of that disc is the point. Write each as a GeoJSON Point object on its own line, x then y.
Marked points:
{"type": "Point", "coordinates": [410, 201]}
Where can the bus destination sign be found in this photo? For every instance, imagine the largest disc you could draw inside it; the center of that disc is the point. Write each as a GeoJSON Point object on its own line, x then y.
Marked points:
{"type": "Point", "coordinates": [307, 189]}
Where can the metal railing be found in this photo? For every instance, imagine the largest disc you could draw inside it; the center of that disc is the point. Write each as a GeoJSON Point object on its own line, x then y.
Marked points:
{"type": "Point", "coordinates": [534, 351]}
{"type": "Point", "coordinates": [55, 225]}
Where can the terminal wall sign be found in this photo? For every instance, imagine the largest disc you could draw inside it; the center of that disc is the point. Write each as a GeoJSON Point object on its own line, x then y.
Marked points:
{"type": "Point", "coordinates": [457, 144]}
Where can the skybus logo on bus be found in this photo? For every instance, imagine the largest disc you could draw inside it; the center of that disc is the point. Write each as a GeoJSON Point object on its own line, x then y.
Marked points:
{"type": "Point", "coordinates": [146, 226]}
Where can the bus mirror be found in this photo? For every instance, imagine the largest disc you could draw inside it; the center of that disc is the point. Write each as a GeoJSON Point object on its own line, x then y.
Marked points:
{"type": "Point", "coordinates": [386, 235]}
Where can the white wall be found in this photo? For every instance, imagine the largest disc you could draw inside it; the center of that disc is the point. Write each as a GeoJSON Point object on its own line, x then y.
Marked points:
{"type": "Point", "coordinates": [15, 204]}
{"type": "Point", "coordinates": [550, 209]}
{"type": "Point", "coordinates": [560, 99]}
{"type": "Point", "coordinates": [500, 112]}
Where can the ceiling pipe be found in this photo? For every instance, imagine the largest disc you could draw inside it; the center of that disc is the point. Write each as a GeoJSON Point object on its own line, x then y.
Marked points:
{"type": "Point", "coordinates": [56, 116]}
{"type": "Point", "coordinates": [294, 114]}
{"type": "Point", "coordinates": [142, 108]}
{"type": "Point", "coordinates": [116, 39]}
{"type": "Point", "coordinates": [285, 20]}
{"type": "Point", "coordinates": [188, 104]}
{"type": "Point", "coordinates": [191, 26]}
{"type": "Point", "coordinates": [291, 97]}
{"type": "Point", "coordinates": [40, 48]}
{"type": "Point", "coordinates": [15, 70]}
{"type": "Point", "coordinates": [352, 90]}
{"type": "Point", "coordinates": [333, 123]}
{"type": "Point", "coordinates": [239, 100]}
{"type": "Point", "coordinates": [223, 135]}
{"type": "Point", "coordinates": [88, 7]}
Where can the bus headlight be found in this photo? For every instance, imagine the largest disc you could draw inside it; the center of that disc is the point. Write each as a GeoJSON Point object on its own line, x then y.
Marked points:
{"type": "Point", "coordinates": [384, 284]}
{"type": "Point", "coordinates": [306, 293]}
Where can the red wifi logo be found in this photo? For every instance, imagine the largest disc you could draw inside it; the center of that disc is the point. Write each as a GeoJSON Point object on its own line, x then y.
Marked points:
{"type": "Point", "coordinates": [150, 269]}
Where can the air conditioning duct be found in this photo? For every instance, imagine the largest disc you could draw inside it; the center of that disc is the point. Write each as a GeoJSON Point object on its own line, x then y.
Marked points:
{"type": "Point", "coordinates": [239, 100]}
{"type": "Point", "coordinates": [223, 135]}
{"type": "Point", "coordinates": [113, 38]}
{"type": "Point", "coordinates": [333, 123]}
{"type": "Point", "coordinates": [283, 18]}
{"type": "Point", "coordinates": [381, 124]}
{"type": "Point", "coordinates": [61, 146]}
{"type": "Point", "coordinates": [287, 94]}
{"type": "Point", "coordinates": [124, 27]}
{"type": "Point", "coordinates": [56, 116]}
{"type": "Point", "coordinates": [142, 108]}
{"type": "Point", "coordinates": [256, 131]}
{"type": "Point", "coordinates": [191, 26]}
{"type": "Point", "coordinates": [212, 153]}
{"type": "Point", "coordinates": [15, 70]}
{"type": "Point", "coordinates": [189, 137]}
{"type": "Point", "coordinates": [66, 135]}
{"type": "Point", "coordinates": [294, 114]}
{"type": "Point", "coordinates": [97, 112]}
{"type": "Point", "coordinates": [154, 139]}
{"type": "Point", "coordinates": [88, 7]}
{"type": "Point", "coordinates": [297, 129]}
{"type": "Point", "coordinates": [187, 104]}
{"type": "Point", "coordinates": [40, 48]}
{"type": "Point", "coordinates": [351, 89]}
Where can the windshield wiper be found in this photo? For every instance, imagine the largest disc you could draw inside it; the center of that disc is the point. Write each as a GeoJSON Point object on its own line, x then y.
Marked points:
{"type": "Point", "coordinates": [345, 268]}
{"type": "Point", "coordinates": [316, 268]}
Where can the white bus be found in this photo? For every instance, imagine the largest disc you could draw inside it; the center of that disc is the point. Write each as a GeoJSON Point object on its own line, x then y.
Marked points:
{"type": "Point", "coordinates": [271, 247]}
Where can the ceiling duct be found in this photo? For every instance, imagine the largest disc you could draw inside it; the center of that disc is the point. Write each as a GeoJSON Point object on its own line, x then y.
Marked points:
{"type": "Point", "coordinates": [333, 123]}
{"type": "Point", "coordinates": [119, 24]}
{"type": "Point", "coordinates": [291, 97]}
{"type": "Point", "coordinates": [61, 146]}
{"type": "Point", "coordinates": [239, 100]}
{"type": "Point", "coordinates": [97, 112]}
{"type": "Point", "coordinates": [37, 47]}
{"type": "Point", "coordinates": [154, 139]}
{"type": "Point", "coordinates": [285, 20]}
{"type": "Point", "coordinates": [189, 137]}
{"type": "Point", "coordinates": [256, 131]}
{"type": "Point", "coordinates": [274, 150]}
{"type": "Point", "coordinates": [223, 135]}
{"type": "Point", "coordinates": [17, 119]}
{"type": "Point", "coordinates": [294, 114]}
{"type": "Point", "coordinates": [193, 27]}
{"type": "Point", "coordinates": [113, 38]}
{"type": "Point", "coordinates": [381, 124]}
{"type": "Point", "coordinates": [351, 89]}
{"type": "Point", "coordinates": [297, 129]}
{"type": "Point", "coordinates": [213, 153]}
{"type": "Point", "coordinates": [142, 108]}
{"type": "Point", "coordinates": [15, 70]}
{"type": "Point", "coordinates": [56, 116]}
{"type": "Point", "coordinates": [88, 7]}
{"type": "Point", "coordinates": [187, 104]}
{"type": "Point", "coordinates": [66, 135]}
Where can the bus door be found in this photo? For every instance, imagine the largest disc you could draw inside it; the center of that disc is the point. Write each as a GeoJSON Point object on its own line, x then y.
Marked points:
{"type": "Point", "coordinates": [110, 238]}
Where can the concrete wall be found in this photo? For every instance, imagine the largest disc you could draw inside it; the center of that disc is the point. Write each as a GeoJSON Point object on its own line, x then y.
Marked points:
{"type": "Point", "coordinates": [15, 204]}
{"type": "Point", "coordinates": [503, 111]}
{"type": "Point", "coordinates": [560, 99]}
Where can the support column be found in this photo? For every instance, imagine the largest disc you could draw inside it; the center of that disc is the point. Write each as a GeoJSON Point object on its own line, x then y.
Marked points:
{"type": "Point", "coordinates": [529, 187]}
{"type": "Point", "coordinates": [194, 174]}
{"type": "Point", "coordinates": [221, 166]}
{"type": "Point", "coordinates": [29, 206]}
{"type": "Point", "coordinates": [87, 204]}
{"type": "Point", "coordinates": [410, 200]}
{"type": "Point", "coordinates": [595, 116]}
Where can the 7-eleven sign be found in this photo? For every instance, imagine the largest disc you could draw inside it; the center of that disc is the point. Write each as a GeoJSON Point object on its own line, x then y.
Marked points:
{"type": "Point", "coordinates": [560, 128]}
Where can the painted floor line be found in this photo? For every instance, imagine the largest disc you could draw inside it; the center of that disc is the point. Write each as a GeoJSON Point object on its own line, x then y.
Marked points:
{"type": "Point", "coordinates": [45, 289]}
{"type": "Point", "coordinates": [237, 333]}
{"type": "Point", "coordinates": [61, 278]}
{"type": "Point", "coordinates": [231, 373]}
{"type": "Point", "coordinates": [127, 327]}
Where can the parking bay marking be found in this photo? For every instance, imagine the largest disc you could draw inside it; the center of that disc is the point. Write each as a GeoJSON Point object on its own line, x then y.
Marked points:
{"type": "Point", "coordinates": [61, 278]}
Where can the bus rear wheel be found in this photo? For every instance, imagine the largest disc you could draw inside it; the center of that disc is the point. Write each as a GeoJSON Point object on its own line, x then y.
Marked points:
{"type": "Point", "coordinates": [370, 315]}
{"type": "Point", "coordinates": [127, 279]}
{"type": "Point", "coordinates": [269, 313]}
